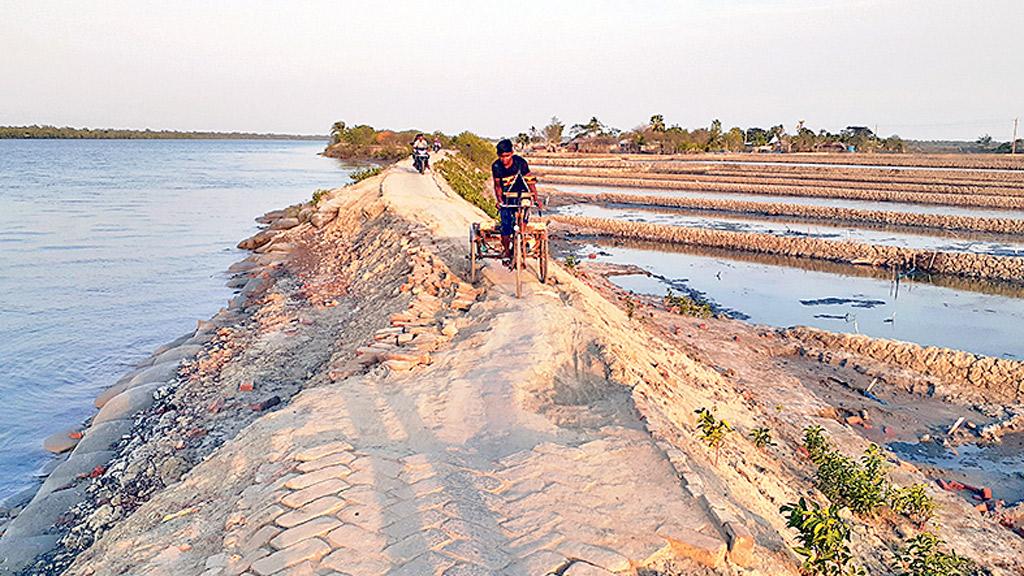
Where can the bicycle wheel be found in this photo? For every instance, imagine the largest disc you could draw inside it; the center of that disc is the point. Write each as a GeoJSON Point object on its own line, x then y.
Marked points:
{"type": "Point", "coordinates": [518, 261]}
{"type": "Point", "coordinates": [472, 252]}
{"type": "Point", "coordinates": [542, 260]}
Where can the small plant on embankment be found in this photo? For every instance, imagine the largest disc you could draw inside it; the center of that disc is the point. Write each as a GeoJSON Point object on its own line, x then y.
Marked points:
{"type": "Point", "coordinates": [712, 430]}
{"type": "Point", "coordinates": [364, 173]}
{"type": "Point", "coordinates": [571, 262]}
{"type": "Point", "coordinates": [762, 437]}
{"type": "Point", "coordinates": [682, 304]}
{"type": "Point", "coordinates": [925, 555]}
{"type": "Point", "coordinates": [824, 539]}
{"type": "Point", "coordinates": [863, 484]}
{"type": "Point", "coordinates": [318, 194]}
{"type": "Point", "coordinates": [912, 502]}
{"type": "Point", "coordinates": [630, 307]}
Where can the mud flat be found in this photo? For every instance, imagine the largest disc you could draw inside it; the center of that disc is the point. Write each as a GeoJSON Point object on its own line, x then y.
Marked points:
{"type": "Point", "coordinates": [372, 412]}
{"type": "Point", "coordinates": [981, 162]}
{"type": "Point", "coordinates": [957, 264]}
{"type": "Point", "coordinates": [815, 180]}
{"type": "Point", "coordinates": [914, 238]}
{"type": "Point", "coordinates": [972, 200]}
{"type": "Point", "coordinates": [831, 213]}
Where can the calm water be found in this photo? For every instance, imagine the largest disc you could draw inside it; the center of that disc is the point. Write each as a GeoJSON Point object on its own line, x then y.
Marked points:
{"type": "Point", "coordinates": [925, 313]}
{"type": "Point", "coordinates": [109, 248]}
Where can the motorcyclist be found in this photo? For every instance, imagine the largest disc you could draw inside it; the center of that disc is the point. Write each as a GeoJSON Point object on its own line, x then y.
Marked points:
{"type": "Point", "coordinates": [420, 146]}
{"type": "Point", "coordinates": [437, 144]}
{"type": "Point", "coordinates": [512, 181]}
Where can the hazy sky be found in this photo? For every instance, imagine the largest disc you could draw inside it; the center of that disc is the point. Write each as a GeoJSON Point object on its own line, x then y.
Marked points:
{"type": "Point", "coordinates": [918, 68]}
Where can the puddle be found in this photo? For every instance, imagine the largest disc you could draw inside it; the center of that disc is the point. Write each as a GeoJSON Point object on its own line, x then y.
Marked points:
{"type": "Point", "coordinates": [980, 317]}
{"type": "Point", "coordinates": [800, 200]}
{"type": "Point", "coordinates": [995, 466]}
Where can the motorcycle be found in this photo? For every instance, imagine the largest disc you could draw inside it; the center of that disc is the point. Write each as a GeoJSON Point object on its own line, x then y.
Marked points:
{"type": "Point", "coordinates": [421, 159]}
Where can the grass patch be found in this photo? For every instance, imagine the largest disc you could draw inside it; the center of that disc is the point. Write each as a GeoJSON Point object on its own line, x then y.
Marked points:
{"type": "Point", "coordinates": [468, 173]}
{"type": "Point", "coordinates": [364, 173]}
{"type": "Point", "coordinates": [682, 304]}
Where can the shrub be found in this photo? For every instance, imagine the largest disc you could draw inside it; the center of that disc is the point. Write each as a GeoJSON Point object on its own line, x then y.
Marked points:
{"type": "Point", "coordinates": [318, 194]}
{"type": "Point", "coordinates": [364, 173]}
{"type": "Point", "coordinates": [712, 430]}
{"type": "Point", "coordinates": [824, 539]}
{"type": "Point", "coordinates": [862, 486]}
{"type": "Point", "coordinates": [815, 442]}
{"type": "Point", "coordinates": [571, 262]}
{"type": "Point", "coordinates": [687, 306]}
{"type": "Point", "coordinates": [468, 182]}
{"type": "Point", "coordinates": [912, 502]}
{"type": "Point", "coordinates": [924, 556]}
{"type": "Point", "coordinates": [761, 437]}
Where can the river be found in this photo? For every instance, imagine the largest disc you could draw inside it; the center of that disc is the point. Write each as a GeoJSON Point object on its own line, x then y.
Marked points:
{"type": "Point", "coordinates": [109, 248]}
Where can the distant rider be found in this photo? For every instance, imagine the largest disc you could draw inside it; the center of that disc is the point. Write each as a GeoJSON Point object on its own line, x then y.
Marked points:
{"type": "Point", "coordinates": [437, 144]}
{"type": "Point", "coordinates": [421, 146]}
{"type": "Point", "coordinates": [512, 180]}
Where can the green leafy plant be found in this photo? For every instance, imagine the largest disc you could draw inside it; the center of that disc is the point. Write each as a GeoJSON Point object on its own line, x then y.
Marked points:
{"type": "Point", "coordinates": [571, 262]}
{"type": "Point", "coordinates": [318, 194]}
{"type": "Point", "coordinates": [761, 437]}
{"type": "Point", "coordinates": [681, 304]}
{"type": "Point", "coordinates": [364, 173]}
{"type": "Point", "coordinates": [860, 485]}
{"type": "Point", "coordinates": [712, 430]}
{"type": "Point", "coordinates": [815, 442]}
{"type": "Point", "coordinates": [912, 502]}
{"type": "Point", "coordinates": [924, 555]}
{"type": "Point", "coordinates": [630, 307]}
{"type": "Point", "coordinates": [824, 539]}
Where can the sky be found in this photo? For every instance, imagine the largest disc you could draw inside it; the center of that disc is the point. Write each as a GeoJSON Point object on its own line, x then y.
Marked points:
{"type": "Point", "coordinates": [923, 69]}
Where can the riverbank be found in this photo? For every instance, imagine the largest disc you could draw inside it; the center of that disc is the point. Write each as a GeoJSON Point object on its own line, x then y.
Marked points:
{"type": "Point", "coordinates": [361, 408]}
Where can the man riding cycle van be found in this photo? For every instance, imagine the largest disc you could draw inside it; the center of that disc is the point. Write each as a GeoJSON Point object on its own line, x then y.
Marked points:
{"type": "Point", "coordinates": [512, 182]}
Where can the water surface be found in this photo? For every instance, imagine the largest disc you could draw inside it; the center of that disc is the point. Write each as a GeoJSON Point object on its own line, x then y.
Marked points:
{"type": "Point", "coordinates": [930, 314]}
{"type": "Point", "coordinates": [109, 248]}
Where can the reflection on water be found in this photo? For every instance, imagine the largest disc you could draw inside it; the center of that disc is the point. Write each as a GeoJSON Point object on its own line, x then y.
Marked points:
{"type": "Point", "coordinates": [995, 245]}
{"type": "Point", "coordinates": [801, 200]}
{"type": "Point", "coordinates": [932, 312]}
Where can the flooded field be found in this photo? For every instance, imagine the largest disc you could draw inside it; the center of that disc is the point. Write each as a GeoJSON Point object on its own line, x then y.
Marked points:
{"type": "Point", "coordinates": [802, 200]}
{"type": "Point", "coordinates": [984, 321]}
{"type": "Point", "coordinates": [935, 240]}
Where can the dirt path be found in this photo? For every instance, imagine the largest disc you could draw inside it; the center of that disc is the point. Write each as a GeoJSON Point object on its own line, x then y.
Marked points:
{"type": "Point", "coordinates": [514, 451]}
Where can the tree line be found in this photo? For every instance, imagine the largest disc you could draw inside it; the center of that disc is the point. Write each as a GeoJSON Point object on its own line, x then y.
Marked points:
{"type": "Point", "coordinates": [66, 132]}
{"type": "Point", "coordinates": [656, 136]}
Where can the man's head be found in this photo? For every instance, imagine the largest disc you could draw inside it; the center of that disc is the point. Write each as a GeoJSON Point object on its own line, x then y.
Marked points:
{"type": "Point", "coordinates": [505, 152]}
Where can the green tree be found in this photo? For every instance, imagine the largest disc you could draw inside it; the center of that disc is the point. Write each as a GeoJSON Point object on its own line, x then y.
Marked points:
{"type": "Point", "coordinates": [658, 123]}
{"type": "Point", "coordinates": [337, 129]}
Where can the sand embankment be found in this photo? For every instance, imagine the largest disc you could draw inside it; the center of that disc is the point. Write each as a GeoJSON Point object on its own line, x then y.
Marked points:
{"type": "Point", "coordinates": [423, 425]}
